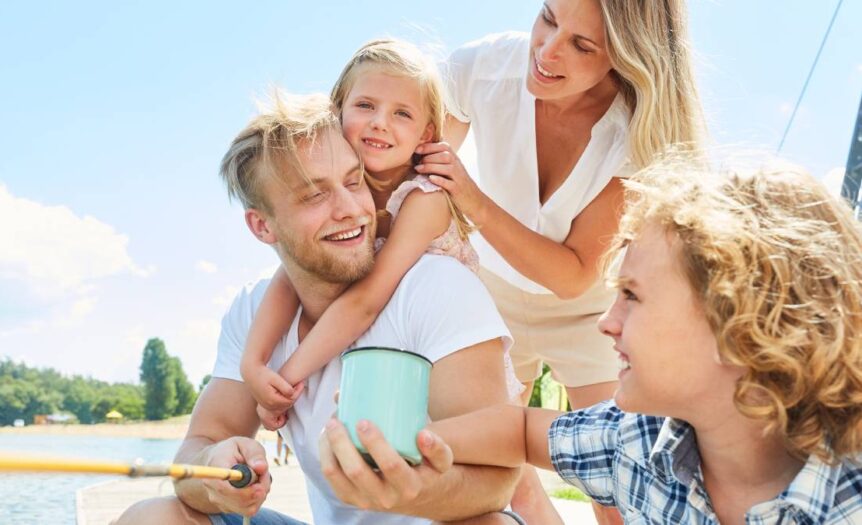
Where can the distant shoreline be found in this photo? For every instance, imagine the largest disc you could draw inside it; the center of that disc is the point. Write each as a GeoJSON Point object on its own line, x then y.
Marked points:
{"type": "Point", "coordinates": [173, 428]}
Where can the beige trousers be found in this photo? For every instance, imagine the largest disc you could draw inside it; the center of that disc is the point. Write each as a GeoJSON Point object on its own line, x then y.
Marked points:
{"type": "Point", "coordinates": [561, 333]}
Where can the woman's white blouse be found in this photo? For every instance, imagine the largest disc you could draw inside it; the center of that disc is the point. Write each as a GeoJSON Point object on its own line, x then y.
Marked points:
{"type": "Point", "coordinates": [487, 84]}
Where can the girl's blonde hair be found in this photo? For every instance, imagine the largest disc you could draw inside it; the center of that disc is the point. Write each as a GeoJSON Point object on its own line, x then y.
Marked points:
{"type": "Point", "coordinates": [401, 59]}
{"type": "Point", "coordinates": [648, 49]}
{"type": "Point", "coordinates": [777, 265]}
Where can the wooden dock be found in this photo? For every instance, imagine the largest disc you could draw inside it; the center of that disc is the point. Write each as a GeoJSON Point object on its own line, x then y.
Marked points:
{"type": "Point", "coordinates": [100, 504]}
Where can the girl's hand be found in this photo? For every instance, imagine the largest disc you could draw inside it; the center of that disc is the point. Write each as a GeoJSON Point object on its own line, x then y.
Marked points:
{"type": "Point", "coordinates": [271, 419]}
{"type": "Point", "coordinates": [444, 169]}
{"type": "Point", "coordinates": [272, 391]}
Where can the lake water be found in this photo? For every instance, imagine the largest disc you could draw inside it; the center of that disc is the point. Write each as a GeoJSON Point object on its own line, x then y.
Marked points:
{"type": "Point", "coordinates": [41, 498]}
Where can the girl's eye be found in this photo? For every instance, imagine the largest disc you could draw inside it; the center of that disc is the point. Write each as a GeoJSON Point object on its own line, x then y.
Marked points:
{"type": "Point", "coordinates": [628, 294]}
{"type": "Point", "coordinates": [363, 105]}
{"type": "Point", "coordinates": [404, 114]}
{"type": "Point", "coordinates": [547, 18]}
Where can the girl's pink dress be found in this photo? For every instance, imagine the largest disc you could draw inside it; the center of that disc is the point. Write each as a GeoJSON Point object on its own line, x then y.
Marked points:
{"type": "Point", "coordinates": [451, 244]}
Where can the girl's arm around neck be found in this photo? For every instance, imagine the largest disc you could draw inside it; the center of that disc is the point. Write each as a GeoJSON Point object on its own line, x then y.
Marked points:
{"type": "Point", "coordinates": [272, 319]}
{"type": "Point", "coordinates": [422, 218]}
{"type": "Point", "coordinates": [503, 436]}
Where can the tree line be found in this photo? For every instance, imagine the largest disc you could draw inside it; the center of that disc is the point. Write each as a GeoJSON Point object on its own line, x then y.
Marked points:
{"type": "Point", "coordinates": [164, 391]}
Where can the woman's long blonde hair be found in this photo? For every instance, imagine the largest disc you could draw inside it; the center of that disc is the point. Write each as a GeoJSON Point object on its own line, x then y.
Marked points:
{"type": "Point", "coordinates": [648, 49]}
{"type": "Point", "coordinates": [402, 59]}
{"type": "Point", "coordinates": [776, 263]}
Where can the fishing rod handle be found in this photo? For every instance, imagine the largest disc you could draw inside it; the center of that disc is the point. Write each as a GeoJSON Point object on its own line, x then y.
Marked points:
{"type": "Point", "coordinates": [248, 476]}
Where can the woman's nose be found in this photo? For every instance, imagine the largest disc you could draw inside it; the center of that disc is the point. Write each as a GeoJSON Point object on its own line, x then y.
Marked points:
{"type": "Point", "coordinates": [550, 49]}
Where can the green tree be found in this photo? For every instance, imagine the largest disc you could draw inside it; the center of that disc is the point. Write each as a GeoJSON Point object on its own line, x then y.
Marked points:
{"type": "Point", "coordinates": [129, 400]}
{"type": "Point", "coordinates": [24, 399]}
{"type": "Point", "coordinates": [186, 395]}
{"type": "Point", "coordinates": [25, 392]}
{"type": "Point", "coordinates": [204, 382]}
{"type": "Point", "coordinates": [158, 377]}
{"type": "Point", "coordinates": [79, 396]}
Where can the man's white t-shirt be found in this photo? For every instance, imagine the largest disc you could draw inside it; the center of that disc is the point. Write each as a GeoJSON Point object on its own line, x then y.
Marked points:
{"type": "Point", "coordinates": [439, 307]}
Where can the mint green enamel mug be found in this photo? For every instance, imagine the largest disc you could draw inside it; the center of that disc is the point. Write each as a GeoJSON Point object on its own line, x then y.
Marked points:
{"type": "Point", "coordinates": [388, 387]}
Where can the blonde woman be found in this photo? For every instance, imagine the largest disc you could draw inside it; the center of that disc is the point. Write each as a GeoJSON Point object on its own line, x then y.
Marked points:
{"type": "Point", "coordinates": [559, 117]}
{"type": "Point", "coordinates": [738, 319]}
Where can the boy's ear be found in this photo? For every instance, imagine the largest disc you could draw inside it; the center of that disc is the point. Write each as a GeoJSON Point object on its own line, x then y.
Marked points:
{"type": "Point", "coordinates": [258, 225]}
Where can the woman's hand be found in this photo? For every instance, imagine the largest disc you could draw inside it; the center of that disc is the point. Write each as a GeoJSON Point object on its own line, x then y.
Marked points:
{"type": "Point", "coordinates": [444, 169]}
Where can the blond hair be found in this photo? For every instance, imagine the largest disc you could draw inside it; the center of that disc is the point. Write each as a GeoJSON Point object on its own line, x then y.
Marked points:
{"type": "Point", "coordinates": [777, 265]}
{"type": "Point", "coordinates": [648, 50]}
{"type": "Point", "coordinates": [402, 59]}
{"type": "Point", "coordinates": [269, 145]}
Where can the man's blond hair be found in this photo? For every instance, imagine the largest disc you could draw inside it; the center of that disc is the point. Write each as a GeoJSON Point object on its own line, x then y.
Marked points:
{"type": "Point", "coordinates": [269, 145]}
{"type": "Point", "coordinates": [776, 263]}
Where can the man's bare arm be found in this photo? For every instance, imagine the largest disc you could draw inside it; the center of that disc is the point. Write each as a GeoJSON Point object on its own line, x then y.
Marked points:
{"type": "Point", "coordinates": [464, 381]}
{"type": "Point", "coordinates": [221, 432]}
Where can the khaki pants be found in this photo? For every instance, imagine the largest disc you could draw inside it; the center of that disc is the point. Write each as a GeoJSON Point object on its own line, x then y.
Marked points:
{"type": "Point", "coordinates": [561, 333]}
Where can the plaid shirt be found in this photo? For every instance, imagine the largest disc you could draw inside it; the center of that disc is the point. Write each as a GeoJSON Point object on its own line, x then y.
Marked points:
{"type": "Point", "coordinates": [649, 467]}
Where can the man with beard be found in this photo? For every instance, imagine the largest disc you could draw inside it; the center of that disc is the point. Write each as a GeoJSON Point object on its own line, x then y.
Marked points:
{"type": "Point", "coordinates": [303, 191]}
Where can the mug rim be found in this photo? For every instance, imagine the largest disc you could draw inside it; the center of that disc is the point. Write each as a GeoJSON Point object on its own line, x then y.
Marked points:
{"type": "Point", "coordinates": [387, 348]}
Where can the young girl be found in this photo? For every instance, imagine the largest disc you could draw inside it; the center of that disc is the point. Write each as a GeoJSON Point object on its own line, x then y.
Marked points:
{"type": "Point", "coordinates": [390, 100]}
{"type": "Point", "coordinates": [737, 322]}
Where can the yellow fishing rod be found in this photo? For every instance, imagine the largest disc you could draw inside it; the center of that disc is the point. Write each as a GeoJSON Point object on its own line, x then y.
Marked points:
{"type": "Point", "coordinates": [239, 475]}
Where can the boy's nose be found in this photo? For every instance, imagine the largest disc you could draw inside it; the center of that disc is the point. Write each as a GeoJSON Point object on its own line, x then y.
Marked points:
{"type": "Point", "coordinates": [609, 324]}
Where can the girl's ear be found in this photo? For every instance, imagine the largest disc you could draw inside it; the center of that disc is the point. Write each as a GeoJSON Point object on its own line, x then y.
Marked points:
{"type": "Point", "coordinates": [428, 134]}
{"type": "Point", "coordinates": [257, 224]}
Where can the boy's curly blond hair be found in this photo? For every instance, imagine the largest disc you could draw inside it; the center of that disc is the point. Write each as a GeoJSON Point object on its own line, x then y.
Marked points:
{"type": "Point", "coordinates": [777, 265]}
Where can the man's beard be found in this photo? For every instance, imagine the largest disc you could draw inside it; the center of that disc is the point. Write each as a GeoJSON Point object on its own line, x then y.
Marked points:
{"type": "Point", "coordinates": [316, 261]}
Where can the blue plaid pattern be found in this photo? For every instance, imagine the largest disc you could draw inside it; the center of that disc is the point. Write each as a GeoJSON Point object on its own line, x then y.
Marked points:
{"type": "Point", "coordinates": [649, 468]}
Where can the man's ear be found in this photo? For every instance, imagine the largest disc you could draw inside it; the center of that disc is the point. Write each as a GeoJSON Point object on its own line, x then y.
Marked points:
{"type": "Point", "coordinates": [258, 225]}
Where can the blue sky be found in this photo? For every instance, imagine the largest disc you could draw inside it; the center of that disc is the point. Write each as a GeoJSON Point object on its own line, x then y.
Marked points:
{"type": "Point", "coordinates": [114, 226]}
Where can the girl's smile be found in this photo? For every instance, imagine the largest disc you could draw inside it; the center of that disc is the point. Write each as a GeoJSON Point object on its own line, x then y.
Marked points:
{"type": "Point", "coordinates": [384, 119]}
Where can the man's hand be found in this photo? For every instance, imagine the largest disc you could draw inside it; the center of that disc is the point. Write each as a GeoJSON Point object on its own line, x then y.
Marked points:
{"type": "Point", "coordinates": [225, 454]}
{"type": "Point", "coordinates": [396, 485]}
